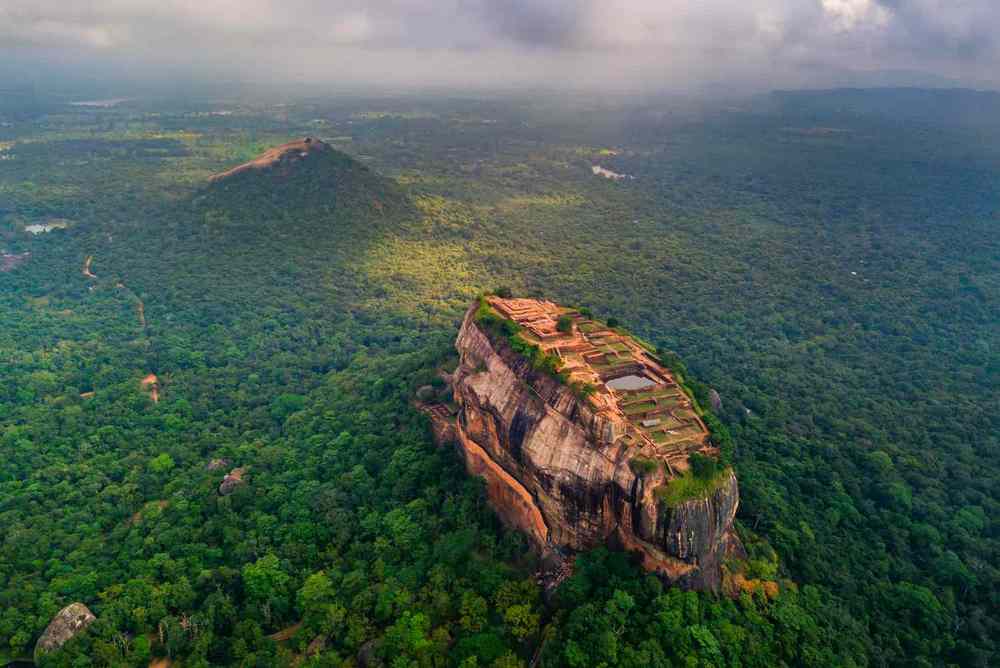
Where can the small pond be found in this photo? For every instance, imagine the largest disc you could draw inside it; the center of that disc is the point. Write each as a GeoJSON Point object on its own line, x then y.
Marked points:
{"type": "Point", "coordinates": [630, 382]}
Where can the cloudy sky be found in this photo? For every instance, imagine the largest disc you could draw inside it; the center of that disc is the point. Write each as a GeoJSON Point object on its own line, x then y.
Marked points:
{"type": "Point", "coordinates": [654, 44]}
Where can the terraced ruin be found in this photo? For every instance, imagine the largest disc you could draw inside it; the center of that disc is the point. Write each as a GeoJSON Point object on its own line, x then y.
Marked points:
{"type": "Point", "coordinates": [632, 387]}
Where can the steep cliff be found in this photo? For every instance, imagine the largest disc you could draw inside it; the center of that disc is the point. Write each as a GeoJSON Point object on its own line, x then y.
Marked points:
{"type": "Point", "coordinates": [579, 452]}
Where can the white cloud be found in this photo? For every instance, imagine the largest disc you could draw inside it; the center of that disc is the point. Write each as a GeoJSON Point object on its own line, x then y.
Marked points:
{"type": "Point", "coordinates": [646, 42]}
{"type": "Point", "coordinates": [850, 14]}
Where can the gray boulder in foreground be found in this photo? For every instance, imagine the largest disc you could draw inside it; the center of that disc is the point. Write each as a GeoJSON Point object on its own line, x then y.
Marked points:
{"type": "Point", "coordinates": [70, 622]}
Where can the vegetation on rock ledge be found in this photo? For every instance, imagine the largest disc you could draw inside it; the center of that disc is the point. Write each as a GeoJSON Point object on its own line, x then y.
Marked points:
{"type": "Point", "coordinates": [692, 486]}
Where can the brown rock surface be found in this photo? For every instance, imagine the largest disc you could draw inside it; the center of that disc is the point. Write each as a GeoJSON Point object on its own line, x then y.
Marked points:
{"type": "Point", "coordinates": [66, 625]}
{"type": "Point", "coordinates": [557, 467]}
{"type": "Point", "coordinates": [279, 158]}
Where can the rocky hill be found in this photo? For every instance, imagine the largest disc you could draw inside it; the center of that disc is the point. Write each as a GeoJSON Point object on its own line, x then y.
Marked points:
{"type": "Point", "coordinates": [585, 438]}
{"type": "Point", "coordinates": [280, 159]}
{"type": "Point", "coordinates": [302, 175]}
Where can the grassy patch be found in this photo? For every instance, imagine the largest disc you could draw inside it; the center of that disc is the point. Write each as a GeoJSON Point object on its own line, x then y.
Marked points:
{"type": "Point", "coordinates": [635, 409]}
{"type": "Point", "coordinates": [690, 487]}
{"type": "Point", "coordinates": [642, 466]}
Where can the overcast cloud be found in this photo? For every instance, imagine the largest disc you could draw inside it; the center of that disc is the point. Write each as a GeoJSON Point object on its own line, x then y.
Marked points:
{"type": "Point", "coordinates": [669, 44]}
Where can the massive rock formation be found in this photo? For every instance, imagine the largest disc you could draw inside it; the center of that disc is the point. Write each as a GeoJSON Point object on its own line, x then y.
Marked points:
{"type": "Point", "coordinates": [575, 468]}
{"type": "Point", "coordinates": [305, 185]}
{"type": "Point", "coordinates": [66, 625]}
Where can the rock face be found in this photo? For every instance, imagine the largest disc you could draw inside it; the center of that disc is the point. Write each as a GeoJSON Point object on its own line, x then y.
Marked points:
{"type": "Point", "coordinates": [561, 470]}
{"type": "Point", "coordinates": [65, 626]}
{"type": "Point", "coordinates": [715, 401]}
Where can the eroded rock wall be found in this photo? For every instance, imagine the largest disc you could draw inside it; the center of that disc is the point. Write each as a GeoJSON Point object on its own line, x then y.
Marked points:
{"type": "Point", "coordinates": [557, 470]}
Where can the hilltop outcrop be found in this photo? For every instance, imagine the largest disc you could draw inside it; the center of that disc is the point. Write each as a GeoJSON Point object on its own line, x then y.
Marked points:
{"type": "Point", "coordinates": [306, 182]}
{"type": "Point", "coordinates": [584, 438]}
{"type": "Point", "coordinates": [281, 158]}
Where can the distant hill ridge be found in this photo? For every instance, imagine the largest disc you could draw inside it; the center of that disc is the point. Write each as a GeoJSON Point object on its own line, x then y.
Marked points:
{"type": "Point", "coordinates": [940, 106]}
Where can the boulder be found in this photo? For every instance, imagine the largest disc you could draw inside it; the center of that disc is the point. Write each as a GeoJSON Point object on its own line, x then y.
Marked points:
{"type": "Point", "coordinates": [66, 625]}
{"type": "Point", "coordinates": [715, 401]}
{"type": "Point", "coordinates": [426, 393]}
{"type": "Point", "coordinates": [317, 645]}
{"type": "Point", "coordinates": [233, 479]}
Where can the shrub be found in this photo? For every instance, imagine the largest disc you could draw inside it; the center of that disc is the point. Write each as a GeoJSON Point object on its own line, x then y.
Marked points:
{"type": "Point", "coordinates": [702, 467]}
{"type": "Point", "coordinates": [500, 326]}
{"type": "Point", "coordinates": [642, 466]}
{"type": "Point", "coordinates": [565, 324]}
{"type": "Point", "coordinates": [162, 463]}
{"type": "Point", "coordinates": [612, 322]}
{"type": "Point", "coordinates": [582, 390]}
{"type": "Point", "coordinates": [699, 391]}
{"type": "Point", "coordinates": [690, 487]}
{"type": "Point", "coordinates": [285, 404]}
{"type": "Point", "coordinates": [720, 437]}
{"type": "Point", "coordinates": [673, 362]}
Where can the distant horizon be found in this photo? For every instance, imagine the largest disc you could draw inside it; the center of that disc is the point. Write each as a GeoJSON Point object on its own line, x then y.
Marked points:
{"type": "Point", "coordinates": [134, 91]}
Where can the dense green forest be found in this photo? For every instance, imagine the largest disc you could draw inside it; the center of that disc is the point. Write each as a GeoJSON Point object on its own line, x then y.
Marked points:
{"type": "Point", "coordinates": [832, 270]}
